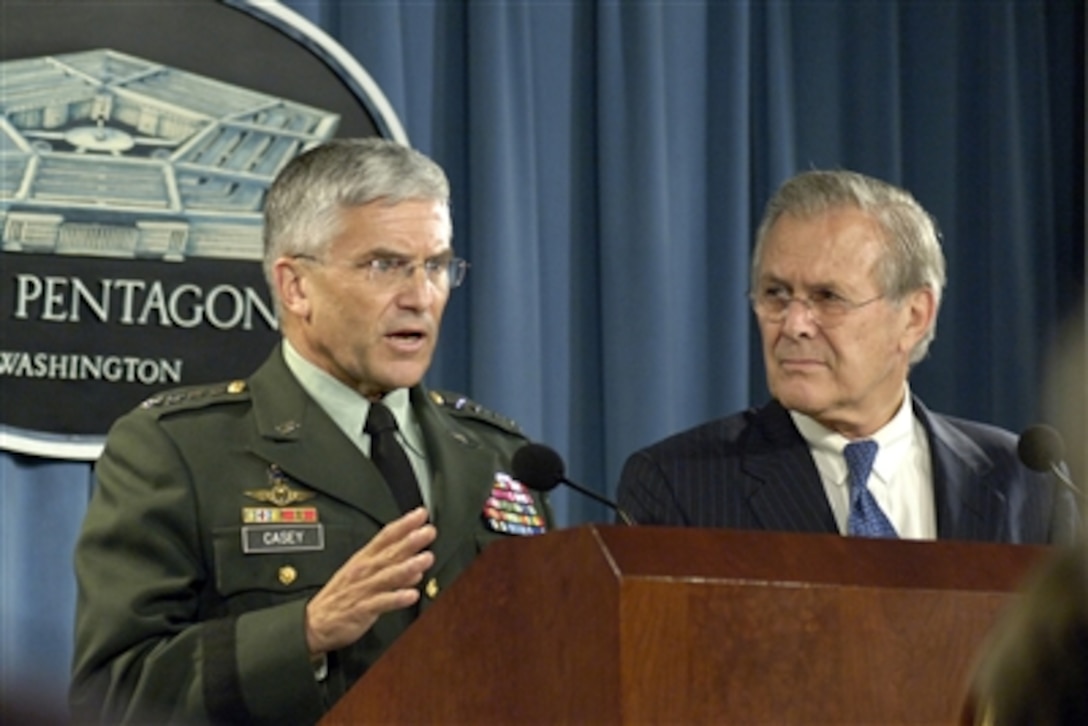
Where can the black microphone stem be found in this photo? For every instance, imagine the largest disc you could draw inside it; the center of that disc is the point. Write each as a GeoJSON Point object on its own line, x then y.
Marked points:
{"type": "Point", "coordinates": [598, 498]}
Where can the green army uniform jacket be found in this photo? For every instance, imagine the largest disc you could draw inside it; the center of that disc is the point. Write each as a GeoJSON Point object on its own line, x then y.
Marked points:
{"type": "Point", "coordinates": [178, 622]}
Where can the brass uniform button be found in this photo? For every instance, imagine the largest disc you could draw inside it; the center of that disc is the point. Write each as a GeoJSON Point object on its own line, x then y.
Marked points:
{"type": "Point", "coordinates": [287, 575]}
{"type": "Point", "coordinates": [236, 387]}
{"type": "Point", "coordinates": [432, 588]}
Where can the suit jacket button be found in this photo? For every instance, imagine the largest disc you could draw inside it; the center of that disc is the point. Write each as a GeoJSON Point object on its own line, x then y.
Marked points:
{"type": "Point", "coordinates": [432, 588]}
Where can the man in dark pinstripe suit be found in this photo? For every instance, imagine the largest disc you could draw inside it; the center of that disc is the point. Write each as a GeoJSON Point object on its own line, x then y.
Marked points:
{"type": "Point", "coordinates": [847, 275]}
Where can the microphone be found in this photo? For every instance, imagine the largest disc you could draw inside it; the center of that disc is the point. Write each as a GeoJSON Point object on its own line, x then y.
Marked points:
{"type": "Point", "coordinates": [541, 469]}
{"type": "Point", "coordinates": [1040, 448]}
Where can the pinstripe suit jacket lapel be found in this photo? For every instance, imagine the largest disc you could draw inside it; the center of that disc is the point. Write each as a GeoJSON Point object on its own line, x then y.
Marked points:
{"type": "Point", "coordinates": [781, 483]}
{"type": "Point", "coordinates": [968, 507]}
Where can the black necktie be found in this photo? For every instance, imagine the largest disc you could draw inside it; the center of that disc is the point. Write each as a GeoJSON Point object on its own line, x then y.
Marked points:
{"type": "Point", "coordinates": [389, 457]}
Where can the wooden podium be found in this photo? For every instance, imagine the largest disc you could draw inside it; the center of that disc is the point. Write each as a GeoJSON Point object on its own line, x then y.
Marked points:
{"type": "Point", "coordinates": [660, 625]}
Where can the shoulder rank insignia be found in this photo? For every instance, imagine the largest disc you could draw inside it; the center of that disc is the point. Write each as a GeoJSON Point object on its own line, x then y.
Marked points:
{"type": "Point", "coordinates": [510, 508]}
{"type": "Point", "coordinates": [280, 492]}
{"type": "Point", "coordinates": [194, 394]}
{"type": "Point", "coordinates": [464, 406]}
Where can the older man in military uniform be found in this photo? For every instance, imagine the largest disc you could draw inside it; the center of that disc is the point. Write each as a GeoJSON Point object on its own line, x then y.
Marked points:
{"type": "Point", "coordinates": [252, 547]}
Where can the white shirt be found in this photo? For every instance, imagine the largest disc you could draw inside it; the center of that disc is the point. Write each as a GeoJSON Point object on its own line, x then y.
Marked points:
{"type": "Point", "coordinates": [902, 477]}
{"type": "Point", "coordinates": [348, 410]}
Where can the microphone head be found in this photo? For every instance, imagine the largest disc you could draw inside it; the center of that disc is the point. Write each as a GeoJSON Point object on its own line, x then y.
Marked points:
{"type": "Point", "coordinates": [1040, 447]}
{"type": "Point", "coordinates": [538, 467]}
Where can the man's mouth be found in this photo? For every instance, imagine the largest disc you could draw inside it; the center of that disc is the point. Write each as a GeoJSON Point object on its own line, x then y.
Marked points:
{"type": "Point", "coordinates": [407, 340]}
{"type": "Point", "coordinates": [406, 335]}
{"type": "Point", "coordinates": [800, 363]}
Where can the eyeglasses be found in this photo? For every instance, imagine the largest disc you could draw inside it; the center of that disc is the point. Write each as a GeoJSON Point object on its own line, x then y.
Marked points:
{"type": "Point", "coordinates": [827, 308]}
{"type": "Point", "coordinates": [447, 272]}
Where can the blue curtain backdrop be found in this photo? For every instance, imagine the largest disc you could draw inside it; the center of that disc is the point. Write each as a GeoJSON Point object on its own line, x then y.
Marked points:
{"type": "Point", "coordinates": [609, 161]}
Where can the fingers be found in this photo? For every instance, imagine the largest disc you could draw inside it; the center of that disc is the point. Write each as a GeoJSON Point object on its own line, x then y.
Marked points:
{"type": "Point", "coordinates": [402, 537]}
{"type": "Point", "coordinates": [380, 577]}
{"type": "Point", "coordinates": [400, 527]}
{"type": "Point", "coordinates": [394, 587]}
{"type": "Point", "coordinates": [397, 541]}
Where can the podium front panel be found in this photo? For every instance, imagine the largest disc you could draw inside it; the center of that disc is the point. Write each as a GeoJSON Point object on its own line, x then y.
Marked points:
{"type": "Point", "coordinates": [643, 625]}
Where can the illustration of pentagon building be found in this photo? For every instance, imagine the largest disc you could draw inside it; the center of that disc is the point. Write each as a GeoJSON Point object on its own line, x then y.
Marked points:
{"type": "Point", "coordinates": [106, 154]}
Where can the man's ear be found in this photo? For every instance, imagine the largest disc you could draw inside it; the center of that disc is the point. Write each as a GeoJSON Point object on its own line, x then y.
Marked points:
{"type": "Point", "coordinates": [291, 286]}
{"type": "Point", "coordinates": [921, 311]}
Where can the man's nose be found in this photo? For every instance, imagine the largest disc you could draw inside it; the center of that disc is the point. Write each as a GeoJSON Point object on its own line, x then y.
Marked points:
{"type": "Point", "coordinates": [416, 287]}
{"type": "Point", "coordinates": [799, 318]}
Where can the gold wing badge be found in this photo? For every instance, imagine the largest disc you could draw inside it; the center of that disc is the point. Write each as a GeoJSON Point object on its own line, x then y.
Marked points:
{"type": "Point", "coordinates": [280, 492]}
{"type": "Point", "coordinates": [281, 528]}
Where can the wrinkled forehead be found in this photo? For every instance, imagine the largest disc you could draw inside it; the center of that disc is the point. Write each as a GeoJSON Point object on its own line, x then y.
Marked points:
{"type": "Point", "coordinates": [411, 225]}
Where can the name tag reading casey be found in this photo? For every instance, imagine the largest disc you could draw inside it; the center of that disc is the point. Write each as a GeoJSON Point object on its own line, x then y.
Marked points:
{"type": "Point", "coordinates": [265, 539]}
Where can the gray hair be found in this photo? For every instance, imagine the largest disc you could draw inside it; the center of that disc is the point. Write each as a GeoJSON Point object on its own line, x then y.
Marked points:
{"type": "Point", "coordinates": [301, 212]}
{"type": "Point", "coordinates": [913, 258]}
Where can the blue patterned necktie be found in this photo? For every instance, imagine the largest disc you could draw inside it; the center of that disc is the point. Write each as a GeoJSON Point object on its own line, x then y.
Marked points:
{"type": "Point", "coordinates": [867, 519]}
